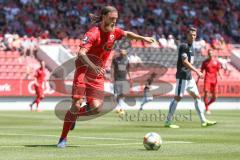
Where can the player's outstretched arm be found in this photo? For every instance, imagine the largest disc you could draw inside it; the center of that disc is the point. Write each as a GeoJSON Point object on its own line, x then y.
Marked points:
{"type": "Point", "coordinates": [131, 35]}
{"type": "Point", "coordinates": [190, 66]}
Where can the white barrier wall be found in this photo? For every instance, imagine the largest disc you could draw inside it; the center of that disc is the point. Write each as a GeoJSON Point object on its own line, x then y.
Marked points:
{"type": "Point", "coordinates": [156, 104]}
{"type": "Point", "coordinates": [235, 58]}
{"type": "Point", "coordinates": [54, 55]}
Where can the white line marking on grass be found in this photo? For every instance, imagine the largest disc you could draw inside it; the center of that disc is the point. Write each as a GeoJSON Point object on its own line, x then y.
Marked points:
{"type": "Point", "coordinates": [80, 145]}
{"type": "Point", "coordinates": [106, 144]}
{"type": "Point", "coordinates": [176, 142]}
{"type": "Point", "coordinates": [98, 138]}
{"type": "Point", "coordinates": [98, 144]}
{"type": "Point", "coordinates": [11, 146]}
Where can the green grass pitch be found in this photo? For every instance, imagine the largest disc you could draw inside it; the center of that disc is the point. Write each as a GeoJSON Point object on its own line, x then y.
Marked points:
{"type": "Point", "coordinates": [25, 135]}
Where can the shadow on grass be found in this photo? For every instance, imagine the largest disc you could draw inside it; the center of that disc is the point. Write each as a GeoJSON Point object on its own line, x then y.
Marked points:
{"type": "Point", "coordinates": [49, 146]}
{"type": "Point", "coordinates": [145, 150]}
{"type": "Point", "coordinates": [42, 145]}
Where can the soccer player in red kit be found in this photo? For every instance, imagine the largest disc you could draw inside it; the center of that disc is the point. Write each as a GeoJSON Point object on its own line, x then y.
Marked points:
{"type": "Point", "coordinates": [38, 85]}
{"type": "Point", "coordinates": [211, 66]}
{"type": "Point", "coordinates": [88, 80]}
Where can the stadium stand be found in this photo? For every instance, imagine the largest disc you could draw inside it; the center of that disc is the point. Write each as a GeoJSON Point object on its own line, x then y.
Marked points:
{"type": "Point", "coordinates": [61, 18]}
{"type": "Point", "coordinates": [25, 23]}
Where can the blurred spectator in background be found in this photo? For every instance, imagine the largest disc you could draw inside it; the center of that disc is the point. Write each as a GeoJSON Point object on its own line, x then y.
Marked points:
{"type": "Point", "coordinates": [199, 45]}
{"type": "Point", "coordinates": [152, 18]}
{"type": "Point", "coordinates": [135, 60]}
{"type": "Point", "coordinates": [224, 62]}
{"type": "Point", "coordinates": [171, 42]}
{"type": "Point", "coordinates": [29, 46]}
{"type": "Point", "coordinates": [3, 47]}
{"type": "Point", "coordinates": [45, 35]}
{"type": "Point", "coordinates": [8, 39]}
{"type": "Point", "coordinates": [163, 41]}
{"type": "Point", "coordinates": [15, 45]}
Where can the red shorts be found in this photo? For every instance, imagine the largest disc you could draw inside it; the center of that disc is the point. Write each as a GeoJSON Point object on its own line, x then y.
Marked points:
{"type": "Point", "coordinates": [39, 90]}
{"type": "Point", "coordinates": [87, 84]}
{"type": "Point", "coordinates": [210, 86]}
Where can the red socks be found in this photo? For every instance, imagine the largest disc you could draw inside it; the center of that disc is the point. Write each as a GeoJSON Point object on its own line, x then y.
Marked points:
{"type": "Point", "coordinates": [84, 111]}
{"type": "Point", "coordinates": [206, 103]}
{"type": "Point", "coordinates": [69, 119]}
{"type": "Point", "coordinates": [211, 101]}
{"type": "Point", "coordinates": [37, 100]}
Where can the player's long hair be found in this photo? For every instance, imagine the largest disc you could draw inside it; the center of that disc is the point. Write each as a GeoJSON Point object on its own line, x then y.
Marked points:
{"type": "Point", "coordinates": [105, 10]}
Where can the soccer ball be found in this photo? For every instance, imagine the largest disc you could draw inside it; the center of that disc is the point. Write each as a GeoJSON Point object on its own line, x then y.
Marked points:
{"type": "Point", "coordinates": [152, 141]}
{"type": "Point", "coordinates": [120, 112]}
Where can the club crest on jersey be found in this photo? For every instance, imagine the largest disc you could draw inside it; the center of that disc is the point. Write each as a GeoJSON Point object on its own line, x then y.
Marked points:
{"type": "Point", "coordinates": [112, 37]}
{"type": "Point", "coordinates": [85, 40]}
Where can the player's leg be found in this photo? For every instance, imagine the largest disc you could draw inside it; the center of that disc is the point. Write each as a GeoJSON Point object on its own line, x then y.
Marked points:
{"type": "Point", "coordinates": [40, 96]}
{"type": "Point", "coordinates": [213, 91]}
{"type": "Point", "coordinates": [120, 88]}
{"type": "Point", "coordinates": [179, 92]}
{"type": "Point", "coordinates": [198, 106]}
{"type": "Point", "coordinates": [213, 97]}
{"type": "Point", "coordinates": [171, 111]}
{"type": "Point", "coordinates": [120, 103]}
{"type": "Point", "coordinates": [95, 106]}
{"type": "Point", "coordinates": [37, 101]}
{"type": "Point", "coordinates": [148, 97]}
{"type": "Point", "coordinates": [69, 120]}
{"type": "Point", "coordinates": [116, 90]}
{"type": "Point", "coordinates": [206, 99]}
{"type": "Point", "coordinates": [78, 92]}
{"type": "Point", "coordinates": [193, 91]}
{"type": "Point", "coordinates": [31, 105]}
{"type": "Point", "coordinates": [145, 100]}
{"type": "Point", "coordinates": [36, 88]}
{"type": "Point", "coordinates": [95, 97]}
{"type": "Point", "coordinates": [207, 87]}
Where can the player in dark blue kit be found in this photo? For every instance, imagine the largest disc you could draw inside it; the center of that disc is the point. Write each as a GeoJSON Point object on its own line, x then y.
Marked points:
{"type": "Point", "coordinates": [185, 82]}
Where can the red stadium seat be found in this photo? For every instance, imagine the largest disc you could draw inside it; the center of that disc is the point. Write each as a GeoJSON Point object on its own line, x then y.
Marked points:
{"type": "Point", "coordinates": [77, 42]}
{"type": "Point", "coordinates": [9, 54]}
{"type": "Point", "coordinates": [16, 54]}
{"type": "Point", "coordinates": [71, 42]}
{"type": "Point", "coordinates": [17, 75]}
{"type": "Point", "coordinates": [65, 42]}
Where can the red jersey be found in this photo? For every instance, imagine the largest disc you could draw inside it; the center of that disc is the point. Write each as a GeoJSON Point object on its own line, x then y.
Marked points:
{"type": "Point", "coordinates": [40, 75]}
{"type": "Point", "coordinates": [211, 68]}
{"type": "Point", "coordinates": [99, 44]}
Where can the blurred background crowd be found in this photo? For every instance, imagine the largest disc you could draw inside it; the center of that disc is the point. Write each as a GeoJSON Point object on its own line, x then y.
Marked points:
{"type": "Point", "coordinates": [158, 18]}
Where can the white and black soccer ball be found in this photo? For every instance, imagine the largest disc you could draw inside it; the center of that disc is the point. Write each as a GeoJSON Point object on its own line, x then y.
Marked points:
{"type": "Point", "coordinates": [152, 141]}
